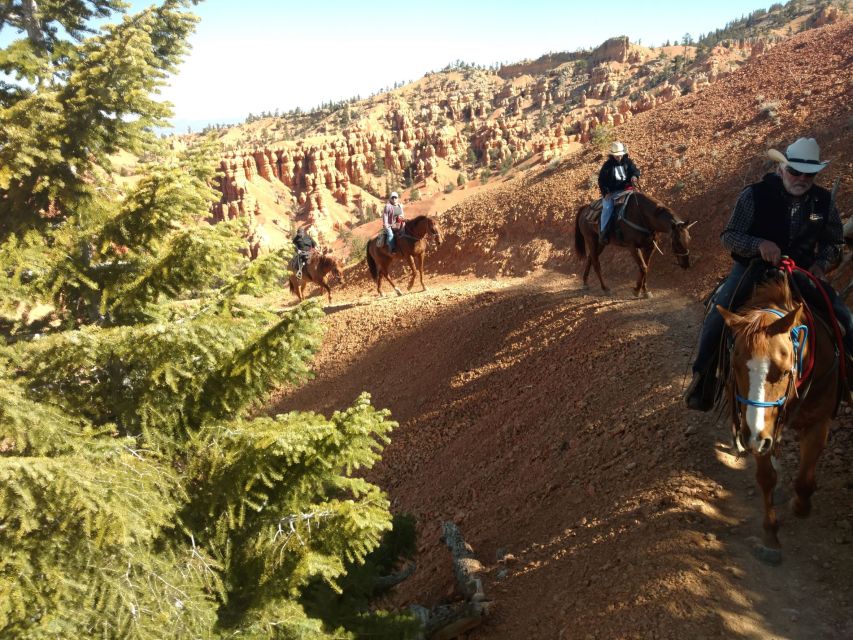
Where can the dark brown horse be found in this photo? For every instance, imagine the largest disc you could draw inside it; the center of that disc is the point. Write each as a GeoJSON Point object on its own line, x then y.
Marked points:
{"type": "Point", "coordinates": [318, 267]}
{"type": "Point", "coordinates": [411, 245]}
{"type": "Point", "coordinates": [779, 376]}
{"type": "Point", "coordinates": [644, 218]}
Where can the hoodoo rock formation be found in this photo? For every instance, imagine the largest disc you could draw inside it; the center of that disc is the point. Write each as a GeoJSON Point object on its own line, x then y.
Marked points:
{"type": "Point", "coordinates": [343, 163]}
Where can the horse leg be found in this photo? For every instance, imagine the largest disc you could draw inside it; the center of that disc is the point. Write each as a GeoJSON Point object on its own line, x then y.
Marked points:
{"type": "Point", "coordinates": [771, 551]}
{"type": "Point", "coordinates": [384, 272]}
{"type": "Point", "coordinates": [586, 269]}
{"type": "Point", "coordinates": [294, 287]}
{"type": "Point", "coordinates": [648, 252]}
{"type": "Point", "coordinates": [411, 259]}
{"type": "Point", "coordinates": [642, 258]}
{"type": "Point", "coordinates": [597, 266]}
{"type": "Point", "coordinates": [421, 270]}
{"type": "Point", "coordinates": [811, 446]}
{"type": "Point", "coordinates": [379, 284]}
{"type": "Point", "coordinates": [324, 285]}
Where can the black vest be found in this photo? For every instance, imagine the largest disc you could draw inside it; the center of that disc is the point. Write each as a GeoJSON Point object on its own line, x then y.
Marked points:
{"type": "Point", "coordinates": [772, 219]}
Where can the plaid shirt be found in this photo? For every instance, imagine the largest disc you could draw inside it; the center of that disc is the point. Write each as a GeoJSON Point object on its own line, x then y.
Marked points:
{"type": "Point", "coordinates": [736, 238]}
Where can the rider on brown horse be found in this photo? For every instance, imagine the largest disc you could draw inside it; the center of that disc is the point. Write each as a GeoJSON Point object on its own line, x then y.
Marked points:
{"type": "Point", "coordinates": [392, 219]}
{"type": "Point", "coordinates": [783, 214]}
{"type": "Point", "coordinates": [305, 245]}
{"type": "Point", "coordinates": [617, 173]}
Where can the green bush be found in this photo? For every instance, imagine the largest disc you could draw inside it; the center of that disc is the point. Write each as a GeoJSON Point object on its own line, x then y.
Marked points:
{"type": "Point", "coordinates": [603, 136]}
{"type": "Point", "coordinates": [449, 187]}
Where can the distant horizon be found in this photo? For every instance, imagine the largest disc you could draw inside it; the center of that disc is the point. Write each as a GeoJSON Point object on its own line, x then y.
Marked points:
{"type": "Point", "coordinates": [280, 55]}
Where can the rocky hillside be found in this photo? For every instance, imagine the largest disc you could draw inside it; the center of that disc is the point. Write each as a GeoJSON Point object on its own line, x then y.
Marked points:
{"type": "Point", "coordinates": [334, 165]}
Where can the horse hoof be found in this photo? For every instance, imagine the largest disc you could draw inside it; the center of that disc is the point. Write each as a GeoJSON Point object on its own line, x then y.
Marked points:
{"type": "Point", "coordinates": [645, 295]}
{"type": "Point", "coordinates": [767, 555]}
{"type": "Point", "coordinates": [799, 508]}
{"type": "Point", "coordinates": [399, 293]}
{"type": "Point", "coordinates": [584, 287]}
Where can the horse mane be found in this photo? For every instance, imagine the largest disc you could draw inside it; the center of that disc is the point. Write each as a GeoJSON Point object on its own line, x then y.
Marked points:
{"type": "Point", "coordinates": [660, 207]}
{"type": "Point", "coordinates": [418, 219]}
{"type": "Point", "coordinates": [773, 293]}
{"type": "Point", "coordinates": [328, 260]}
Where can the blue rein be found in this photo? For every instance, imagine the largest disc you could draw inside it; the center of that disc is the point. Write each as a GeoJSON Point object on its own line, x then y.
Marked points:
{"type": "Point", "coordinates": [798, 349]}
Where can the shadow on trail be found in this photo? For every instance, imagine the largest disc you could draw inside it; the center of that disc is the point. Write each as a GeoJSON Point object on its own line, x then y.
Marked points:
{"type": "Point", "coordinates": [547, 423]}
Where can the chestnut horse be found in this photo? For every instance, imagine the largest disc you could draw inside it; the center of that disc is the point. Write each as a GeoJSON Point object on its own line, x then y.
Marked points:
{"type": "Point", "coordinates": [781, 372]}
{"type": "Point", "coordinates": [644, 218]}
{"type": "Point", "coordinates": [411, 244]}
{"type": "Point", "coordinates": [318, 267]}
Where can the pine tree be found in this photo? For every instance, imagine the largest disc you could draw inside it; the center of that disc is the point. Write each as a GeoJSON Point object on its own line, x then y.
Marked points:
{"type": "Point", "coordinates": [139, 498]}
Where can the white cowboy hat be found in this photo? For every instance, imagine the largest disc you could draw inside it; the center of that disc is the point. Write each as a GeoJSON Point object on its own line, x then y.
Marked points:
{"type": "Point", "coordinates": [618, 149]}
{"type": "Point", "coordinates": [803, 155]}
{"type": "Point", "coordinates": [393, 195]}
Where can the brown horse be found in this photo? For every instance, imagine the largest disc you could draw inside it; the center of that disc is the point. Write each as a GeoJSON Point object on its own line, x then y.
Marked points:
{"type": "Point", "coordinates": [411, 245]}
{"type": "Point", "coordinates": [781, 372]}
{"type": "Point", "coordinates": [318, 267]}
{"type": "Point", "coordinates": [644, 218]}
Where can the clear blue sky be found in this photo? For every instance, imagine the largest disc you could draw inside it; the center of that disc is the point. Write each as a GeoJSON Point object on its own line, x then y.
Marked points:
{"type": "Point", "coordinates": [259, 55]}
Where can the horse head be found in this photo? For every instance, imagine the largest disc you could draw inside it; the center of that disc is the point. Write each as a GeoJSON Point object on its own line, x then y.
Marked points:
{"type": "Point", "coordinates": [765, 360]}
{"type": "Point", "coordinates": [681, 241]}
{"type": "Point", "coordinates": [434, 230]}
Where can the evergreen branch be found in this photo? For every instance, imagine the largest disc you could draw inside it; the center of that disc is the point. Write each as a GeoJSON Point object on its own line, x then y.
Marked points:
{"type": "Point", "coordinates": [192, 261]}
{"type": "Point", "coordinates": [276, 355]}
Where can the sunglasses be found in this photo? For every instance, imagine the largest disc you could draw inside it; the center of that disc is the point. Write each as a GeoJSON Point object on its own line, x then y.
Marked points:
{"type": "Point", "coordinates": [796, 173]}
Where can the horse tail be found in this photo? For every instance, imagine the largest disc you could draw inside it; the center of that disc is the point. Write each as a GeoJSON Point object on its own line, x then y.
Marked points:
{"type": "Point", "coordinates": [290, 285]}
{"type": "Point", "coordinates": [371, 264]}
{"type": "Point", "coordinates": [580, 245]}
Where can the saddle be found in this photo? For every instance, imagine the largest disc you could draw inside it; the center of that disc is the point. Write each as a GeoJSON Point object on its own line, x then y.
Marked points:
{"type": "Point", "coordinates": [380, 238]}
{"type": "Point", "coordinates": [620, 201]}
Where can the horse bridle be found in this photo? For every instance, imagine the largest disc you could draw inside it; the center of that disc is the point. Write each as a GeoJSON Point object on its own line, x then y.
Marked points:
{"type": "Point", "coordinates": [793, 373]}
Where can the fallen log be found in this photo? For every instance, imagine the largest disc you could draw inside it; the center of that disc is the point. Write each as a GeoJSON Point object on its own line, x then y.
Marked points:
{"type": "Point", "coordinates": [446, 622]}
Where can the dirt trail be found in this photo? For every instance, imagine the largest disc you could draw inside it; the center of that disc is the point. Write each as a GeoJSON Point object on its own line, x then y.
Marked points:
{"type": "Point", "coordinates": [546, 422]}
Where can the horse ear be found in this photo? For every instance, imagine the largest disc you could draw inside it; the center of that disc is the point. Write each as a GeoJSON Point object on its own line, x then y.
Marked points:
{"type": "Point", "coordinates": [690, 224]}
{"type": "Point", "coordinates": [731, 319]}
{"type": "Point", "coordinates": [787, 322]}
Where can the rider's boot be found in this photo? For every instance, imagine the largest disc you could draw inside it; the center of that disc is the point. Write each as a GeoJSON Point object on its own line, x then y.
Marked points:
{"type": "Point", "coordinates": [700, 392]}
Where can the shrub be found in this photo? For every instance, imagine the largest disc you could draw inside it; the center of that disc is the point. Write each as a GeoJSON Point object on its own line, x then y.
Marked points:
{"type": "Point", "coordinates": [769, 109]}
{"type": "Point", "coordinates": [603, 136]}
{"type": "Point", "coordinates": [414, 195]}
{"type": "Point", "coordinates": [449, 187]}
{"type": "Point", "coordinates": [460, 180]}
{"type": "Point", "coordinates": [485, 174]}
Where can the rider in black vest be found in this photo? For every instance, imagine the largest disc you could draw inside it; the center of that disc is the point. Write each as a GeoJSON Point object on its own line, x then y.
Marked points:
{"type": "Point", "coordinates": [783, 214]}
